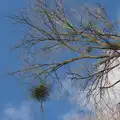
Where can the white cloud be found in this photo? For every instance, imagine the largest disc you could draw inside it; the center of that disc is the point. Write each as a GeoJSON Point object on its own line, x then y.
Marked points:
{"type": "Point", "coordinates": [21, 112]}
{"type": "Point", "coordinates": [108, 106]}
{"type": "Point", "coordinates": [76, 96]}
{"type": "Point", "coordinates": [74, 115]}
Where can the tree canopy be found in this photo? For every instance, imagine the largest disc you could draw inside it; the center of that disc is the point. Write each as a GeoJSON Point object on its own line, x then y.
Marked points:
{"type": "Point", "coordinates": [84, 46]}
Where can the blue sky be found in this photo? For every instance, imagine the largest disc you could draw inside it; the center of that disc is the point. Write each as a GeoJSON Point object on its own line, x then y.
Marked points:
{"type": "Point", "coordinates": [13, 97]}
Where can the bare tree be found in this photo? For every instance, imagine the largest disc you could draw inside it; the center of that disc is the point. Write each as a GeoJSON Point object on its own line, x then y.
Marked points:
{"type": "Point", "coordinates": [86, 49]}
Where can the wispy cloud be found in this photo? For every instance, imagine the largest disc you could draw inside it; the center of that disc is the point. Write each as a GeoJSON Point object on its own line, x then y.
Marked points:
{"type": "Point", "coordinates": [76, 95]}
{"type": "Point", "coordinates": [75, 115]}
{"type": "Point", "coordinates": [108, 106]}
{"type": "Point", "coordinates": [77, 99]}
{"type": "Point", "coordinates": [21, 112]}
